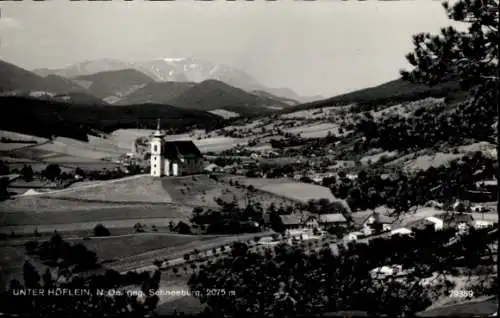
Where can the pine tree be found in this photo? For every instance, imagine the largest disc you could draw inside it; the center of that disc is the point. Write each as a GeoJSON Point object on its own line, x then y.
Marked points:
{"type": "Point", "coordinates": [469, 56]}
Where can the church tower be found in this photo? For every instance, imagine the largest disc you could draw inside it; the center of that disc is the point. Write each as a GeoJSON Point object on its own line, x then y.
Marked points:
{"type": "Point", "coordinates": [156, 160]}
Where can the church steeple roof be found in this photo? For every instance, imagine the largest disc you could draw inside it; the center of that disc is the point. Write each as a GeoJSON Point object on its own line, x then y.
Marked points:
{"type": "Point", "coordinates": [158, 132]}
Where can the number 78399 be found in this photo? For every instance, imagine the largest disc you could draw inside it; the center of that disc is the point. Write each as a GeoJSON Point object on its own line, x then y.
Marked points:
{"type": "Point", "coordinates": [461, 293]}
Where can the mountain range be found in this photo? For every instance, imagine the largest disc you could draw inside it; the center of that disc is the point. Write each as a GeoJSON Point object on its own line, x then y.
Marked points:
{"type": "Point", "coordinates": [177, 70]}
{"type": "Point", "coordinates": [129, 98]}
{"type": "Point", "coordinates": [130, 87]}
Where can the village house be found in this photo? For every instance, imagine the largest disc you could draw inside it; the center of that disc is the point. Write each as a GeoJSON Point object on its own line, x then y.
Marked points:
{"type": "Point", "coordinates": [488, 185]}
{"type": "Point", "coordinates": [481, 224]}
{"type": "Point", "coordinates": [213, 168]}
{"type": "Point", "coordinates": [434, 222]}
{"type": "Point", "coordinates": [353, 236]}
{"type": "Point", "coordinates": [456, 220]}
{"type": "Point", "coordinates": [377, 221]}
{"type": "Point", "coordinates": [174, 158]}
{"type": "Point", "coordinates": [304, 221]}
{"type": "Point", "coordinates": [292, 221]}
{"type": "Point", "coordinates": [332, 220]}
{"type": "Point", "coordinates": [401, 231]}
{"type": "Point", "coordinates": [311, 222]}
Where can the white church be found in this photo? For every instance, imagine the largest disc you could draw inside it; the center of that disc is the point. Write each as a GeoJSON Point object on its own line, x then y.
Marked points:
{"type": "Point", "coordinates": [174, 158]}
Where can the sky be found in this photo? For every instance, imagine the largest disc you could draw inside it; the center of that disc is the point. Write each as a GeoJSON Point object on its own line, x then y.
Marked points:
{"type": "Point", "coordinates": [324, 47]}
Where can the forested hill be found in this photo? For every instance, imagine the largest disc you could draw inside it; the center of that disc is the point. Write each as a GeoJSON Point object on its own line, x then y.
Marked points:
{"type": "Point", "coordinates": [46, 118]}
{"type": "Point", "coordinates": [393, 92]}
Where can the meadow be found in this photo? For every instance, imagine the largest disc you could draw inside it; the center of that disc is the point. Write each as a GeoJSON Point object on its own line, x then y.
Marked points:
{"type": "Point", "coordinates": [74, 212]}
{"type": "Point", "coordinates": [317, 130]}
{"type": "Point", "coordinates": [315, 113]}
{"type": "Point", "coordinates": [112, 248]}
{"type": "Point", "coordinates": [299, 191]}
{"type": "Point", "coordinates": [135, 189]}
{"type": "Point", "coordinates": [226, 114]}
{"type": "Point", "coordinates": [289, 189]}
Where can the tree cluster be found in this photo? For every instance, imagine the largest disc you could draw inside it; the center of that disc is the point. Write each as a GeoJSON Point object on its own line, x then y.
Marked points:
{"type": "Point", "coordinates": [401, 190]}
{"type": "Point", "coordinates": [429, 127]}
{"type": "Point", "coordinates": [58, 252]}
{"type": "Point", "coordinates": [287, 281]}
{"type": "Point", "coordinates": [230, 218]}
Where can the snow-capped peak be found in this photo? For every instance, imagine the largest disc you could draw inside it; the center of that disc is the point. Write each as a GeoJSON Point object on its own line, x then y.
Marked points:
{"type": "Point", "coordinates": [174, 59]}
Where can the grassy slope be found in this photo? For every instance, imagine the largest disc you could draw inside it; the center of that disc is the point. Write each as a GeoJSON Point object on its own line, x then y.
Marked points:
{"type": "Point", "coordinates": [140, 188]}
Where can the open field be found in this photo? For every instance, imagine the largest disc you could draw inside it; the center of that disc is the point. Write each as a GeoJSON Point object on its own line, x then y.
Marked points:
{"type": "Point", "coordinates": [146, 259]}
{"type": "Point", "coordinates": [202, 191]}
{"type": "Point", "coordinates": [371, 159]}
{"type": "Point", "coordinates": [318, 130]}
{"type": "Point", "coordinates": [56, 211]}
{"type": "Point", "coordinates": [116, 248]}
{"type": "Point", "coordinates": [261, 182]}
{"type": "Point", "coordinates": [67, 163]}
{"type": "Point", "coordinates": [226, 114]}
{"type": "Point", "coordinates": [216, 144]}
{"type": "Point", "coordinates": [315, 113]}
{"type": "Point", "coordinates": [18, 136]}
{"type": "Point", "coordinates": [288, 189]}
{"type": "Point", "coordinates": [116, 226]}
{"type": "Point", "coordinates": [139, 188]}
{"type": "Point", "coordinates": [250, 125]}
{"type": "Point", "coordinates": [95, 149]}
{"type": "Point", "coordinates": [299, 191]}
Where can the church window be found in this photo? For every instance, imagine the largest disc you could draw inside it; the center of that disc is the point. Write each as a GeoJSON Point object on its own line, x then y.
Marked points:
{"type": "Point", "coordinates": [155, 148]}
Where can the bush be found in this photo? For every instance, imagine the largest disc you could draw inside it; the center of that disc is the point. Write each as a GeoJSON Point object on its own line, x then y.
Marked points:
{"type": "Point", "coordinates": [52, 172]}
{"type": "Point", "coordinates": [139, 228]}
{"type": "Point", "coordinates": [101, 230]}
{"type": "Point", "coordinates": [27, 173]}
{"type": "Point", "coordinates": [31, 247]}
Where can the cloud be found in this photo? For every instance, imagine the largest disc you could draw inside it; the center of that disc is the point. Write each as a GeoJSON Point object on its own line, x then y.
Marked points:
{"type": "Point", "coordinates": [10, 23]}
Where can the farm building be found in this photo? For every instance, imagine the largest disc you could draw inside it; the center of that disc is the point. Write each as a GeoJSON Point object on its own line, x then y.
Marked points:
{"type": "Point", "coordinates": [376, 217]}
{"type": "Point", "coordinates": [311, 222]}
{"type": "Point", "coordinates": [488, 185]}
{"type": "Point", "coordinates": [481, 224]}
{"type": "Point", "coordinates": [423, 224]}
{"type": "Point", "coordinates": [401, 231]}
{"type": "Point", "coordinates": [213, 168]}
{"type": "Point", "coordinates": [332, 219]}
{"type": "Point", "coordinates": [174, 158]}
{"type": "Point", "coordinates": [438, 223]}
{"type": "Point", "coordinates": [456, 219]}
{"type": "Point", "coordinates": [292, 221]}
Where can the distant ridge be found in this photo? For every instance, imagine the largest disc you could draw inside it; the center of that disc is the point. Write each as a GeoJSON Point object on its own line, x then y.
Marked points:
{"type": "Point", "coordinates": [114, 83]}
{"type": "Point", "coordinates": [17, 79]}
{"type": "Point", "coordinates": [213, 94]}
{"type": "Point", "coordinates": [395, 91]}
{"type": "Point", "coordinates": [162, 92]}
